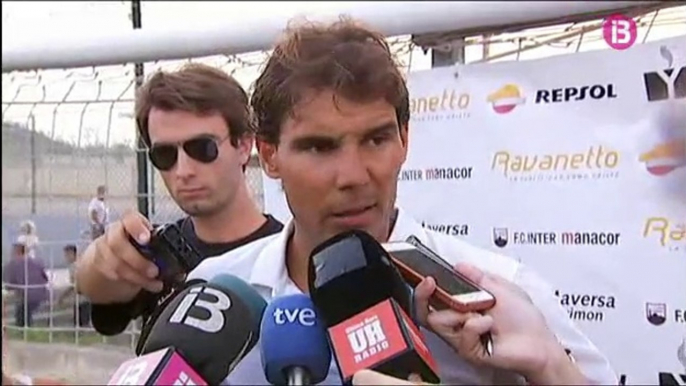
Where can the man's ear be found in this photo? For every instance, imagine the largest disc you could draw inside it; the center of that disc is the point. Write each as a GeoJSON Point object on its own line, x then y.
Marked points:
{"type": "Point", "coordinates": [244, 147]}
{"type": "Point", "coordinates": [268, 161]}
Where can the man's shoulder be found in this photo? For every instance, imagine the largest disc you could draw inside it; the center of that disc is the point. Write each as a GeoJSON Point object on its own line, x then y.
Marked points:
{"type": "Point", "coordinates": [238, 261]}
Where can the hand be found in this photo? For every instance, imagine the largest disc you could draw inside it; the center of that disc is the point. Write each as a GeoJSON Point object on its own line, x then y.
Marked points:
{"type": "Point", "coordinates": [522, 341]}
{"type": "Point", "coordinates": [119, 261]}
{"type": "Point", "coordinates": [371, 378]}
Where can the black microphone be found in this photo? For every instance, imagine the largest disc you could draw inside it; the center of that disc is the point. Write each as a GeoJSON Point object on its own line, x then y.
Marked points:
{"type": "Point", "coordinates": [364, 302]}
{"type": "Point", "coordinates": [211, 326]}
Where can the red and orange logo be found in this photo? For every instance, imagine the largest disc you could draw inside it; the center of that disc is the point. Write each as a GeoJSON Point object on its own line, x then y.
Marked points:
{"type": "Point", "coordinates": [506, 99]}
{"type": "Point", "coordinates": [665, 157]}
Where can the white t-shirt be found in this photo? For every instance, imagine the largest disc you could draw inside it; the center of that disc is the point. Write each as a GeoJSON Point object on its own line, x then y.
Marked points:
{"type": "Point", "coordinates": [262, 264]}
{"type": "Point", "coordinates": [101, 209]}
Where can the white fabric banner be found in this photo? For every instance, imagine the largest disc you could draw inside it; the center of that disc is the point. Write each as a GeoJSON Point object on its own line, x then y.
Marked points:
{"type": "Point", "coordinates": [575, 165]}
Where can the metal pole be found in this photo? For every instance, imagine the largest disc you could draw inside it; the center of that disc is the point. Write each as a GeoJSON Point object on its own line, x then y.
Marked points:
{"type": "Point", "coordinates": [33, 163]}
{"type": "Point", "coordinates": [141, 160]}
{"type": "Point", "coordinates": [449, 54]}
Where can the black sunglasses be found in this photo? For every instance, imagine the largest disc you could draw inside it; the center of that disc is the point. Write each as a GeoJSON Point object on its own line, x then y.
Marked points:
{"type": "Point", "coordinates": [203, 149]}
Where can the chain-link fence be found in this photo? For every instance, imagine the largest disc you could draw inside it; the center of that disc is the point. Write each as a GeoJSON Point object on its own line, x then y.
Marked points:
{"type": "Point", "coordinates": [65, 132]}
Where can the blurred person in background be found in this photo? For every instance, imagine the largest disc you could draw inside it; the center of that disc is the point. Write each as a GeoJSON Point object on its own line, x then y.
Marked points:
{"type": "Point", "coordinates": [98, 213]}
{"type": "Point", "coordinates": [28, 236]}
{"type": "Point", "coordinates": [82, 307]}
{"type": "Point", "coordinates": [198, 127]}
{"type": "Point", "coordinates": [28, 280]}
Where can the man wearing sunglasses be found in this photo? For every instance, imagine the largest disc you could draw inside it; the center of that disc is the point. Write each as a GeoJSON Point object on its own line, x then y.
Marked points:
{"type": "Point", "coordinates": [197, 125]}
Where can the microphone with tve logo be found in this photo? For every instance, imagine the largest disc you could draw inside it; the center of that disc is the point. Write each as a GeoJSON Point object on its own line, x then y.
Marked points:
{"type": "Point", "coordinates": [206, 329]}
{"type": "Point", "coordinates": [292, 318]}
{"type": "Point", "coordinates": [364, 302]}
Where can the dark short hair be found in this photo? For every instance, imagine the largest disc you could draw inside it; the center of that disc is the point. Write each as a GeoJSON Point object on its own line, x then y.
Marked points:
{"type": "Point", "coordinates": [70, 248]}
{"type": "Point", "coordinates": [19, 247]}
{"type": "Point", "coordinates": [346, 57]}
{"type": "Point", "coordinates": [199, 89]}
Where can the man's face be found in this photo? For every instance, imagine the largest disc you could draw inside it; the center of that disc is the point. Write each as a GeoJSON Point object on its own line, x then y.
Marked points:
{"type": "Point", "coordinates": [199, 188]}
{"type": "Point", "coordinates": [339, 164]}
{"type": "Point", "coordinates": [69, 256]}
{"type": "Point", "coordinates": [18, 251]}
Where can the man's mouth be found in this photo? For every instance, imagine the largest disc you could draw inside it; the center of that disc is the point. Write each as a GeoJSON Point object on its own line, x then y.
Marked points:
{"type": "Point", "coordinates": [354, 211]}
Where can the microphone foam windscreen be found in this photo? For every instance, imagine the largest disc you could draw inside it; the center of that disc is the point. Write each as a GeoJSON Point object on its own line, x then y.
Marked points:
{"type": "Point", "coordinates": [293, 336]}
{"type": "Point", "coordinates": [246, 292]}
{"type": "Point", "coordinates": [211, 325]}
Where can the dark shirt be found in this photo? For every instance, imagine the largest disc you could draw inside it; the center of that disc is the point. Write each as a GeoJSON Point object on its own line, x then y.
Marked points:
{"type": "Point", "coordinates": [111, 319]}
{"type": "Point", "coordinates": [27, 278]}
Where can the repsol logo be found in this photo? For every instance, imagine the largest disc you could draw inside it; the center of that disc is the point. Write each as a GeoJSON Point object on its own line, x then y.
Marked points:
{"type": "Point", "coordinates": [573, 94]}
{"type": "Point", "coordinates": [448, 229]}
{"type": "Point", "coordinates": [586, 307]}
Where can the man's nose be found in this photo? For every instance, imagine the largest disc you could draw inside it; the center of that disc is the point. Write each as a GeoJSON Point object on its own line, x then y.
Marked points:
{"type": "Point", "coordinates": [185, 165]}
{"type": "Point", "coordinates": [351, 169]}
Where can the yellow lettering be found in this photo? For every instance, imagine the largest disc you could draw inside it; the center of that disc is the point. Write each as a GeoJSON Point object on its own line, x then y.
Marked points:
{"type": "Point", "coordinates": [595, 158]}
{"type": "Point", "coordinates": [664, 228]}
{"type": "Point", "coordinates": [447, 100]}
{"type": "Point", "coordinates": [501, 158]}
{"type": "Point", "coordinates": [433, 104]}
{"type": "Point", "coordinates": [561, 158]}
{"type": "Point", "coordinates": [577, 160]}
{"type": "Point", "coordinates": [547, 163]}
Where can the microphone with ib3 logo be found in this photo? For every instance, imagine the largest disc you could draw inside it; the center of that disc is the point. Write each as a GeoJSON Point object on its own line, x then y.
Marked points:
{"type": "Point", "coordinates": [364, 303]}
{"type": "Point", "coordinates": [199, 337]}
{"type": "Point", "coordinates": [292, 318]}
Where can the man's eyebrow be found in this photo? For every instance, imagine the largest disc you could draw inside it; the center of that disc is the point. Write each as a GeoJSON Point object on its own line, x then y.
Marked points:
{"type": "Point", "coordinates": [205, 135]}
{"type": "Point", "coordinates": [307, 141]}
{"type": "Point", "coordinates": [311, 140]}
{"type": "Point", "coordinates": [383, 128]}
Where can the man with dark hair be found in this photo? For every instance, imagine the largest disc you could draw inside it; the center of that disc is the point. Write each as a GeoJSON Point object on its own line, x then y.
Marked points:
{"type": "Point", "coordinates": [197, 125]}
{"type": "Point", "coordinates": [82, 307]}
{"type": "Point", "coordinates": [332, 112]}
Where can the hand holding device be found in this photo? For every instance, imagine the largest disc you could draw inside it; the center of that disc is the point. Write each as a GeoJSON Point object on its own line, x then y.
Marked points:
{"type": "Point", "coordinates": [306, 361]}
{"type": "Point", "coordinates": [170, 252]}
{"type": "Point", "coordinates": [212, 326]}
{"type": "Point", "coordinates": [116, 258]}
{"type": "Point", "coordinates": [365, 303]}
{"type": "Point", "coordinates": [415, 262]}
{"type": "Point", "coordinates": [521, 339]}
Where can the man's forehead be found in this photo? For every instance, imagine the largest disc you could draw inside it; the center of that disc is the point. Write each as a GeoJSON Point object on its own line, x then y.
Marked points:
{"type": "Point", "coordinates": [178, 126]}
{"type": "Point", "coordinates": [325, 114]}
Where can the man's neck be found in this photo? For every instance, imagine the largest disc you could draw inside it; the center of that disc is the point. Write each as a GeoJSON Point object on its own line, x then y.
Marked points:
{"type": "Point", "coordinates": [298, 251]}
{"type": "Point", "coordinates": [237, 220]}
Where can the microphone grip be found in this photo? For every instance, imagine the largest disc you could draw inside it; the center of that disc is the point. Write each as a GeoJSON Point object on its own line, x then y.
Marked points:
{"type": "Point", "coordinates": [298, 376]}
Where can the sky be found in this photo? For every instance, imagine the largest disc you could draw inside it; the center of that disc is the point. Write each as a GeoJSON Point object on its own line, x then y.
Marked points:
{"type": "Point", "coordinates": [111, 122]}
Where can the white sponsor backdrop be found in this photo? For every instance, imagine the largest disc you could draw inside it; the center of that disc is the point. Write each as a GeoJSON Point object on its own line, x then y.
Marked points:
{"type": "Point", "coordinates": [603, 162]}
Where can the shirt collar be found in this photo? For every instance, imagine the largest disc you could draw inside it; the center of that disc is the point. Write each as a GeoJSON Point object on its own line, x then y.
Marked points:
{"type": "Point", "coordinates": [270, 269]}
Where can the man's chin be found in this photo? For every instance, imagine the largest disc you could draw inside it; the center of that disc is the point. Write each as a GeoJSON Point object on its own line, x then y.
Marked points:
{"type": "Point", "coordinates": [198, 209]}
{"type": "Point", "coordinates": [375, 231]}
